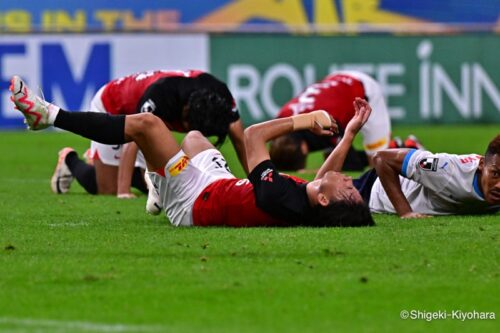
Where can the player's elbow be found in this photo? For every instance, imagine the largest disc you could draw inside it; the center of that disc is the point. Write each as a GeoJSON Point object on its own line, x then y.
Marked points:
{"type": "Point", "coordinates": [379, 160]}
{"type": "Point", "coordinates": [387, 162]}
{"type": "Point", "coordinates": [252, 135]}
{"type": "Point", "coordinates": [139, 124]}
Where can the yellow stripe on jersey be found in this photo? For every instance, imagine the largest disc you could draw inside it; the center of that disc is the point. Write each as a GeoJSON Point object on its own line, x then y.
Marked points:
{"type": "Point", "coordinates": [178, 166]}
{"type": "Point", "coordinates": [376, 145]}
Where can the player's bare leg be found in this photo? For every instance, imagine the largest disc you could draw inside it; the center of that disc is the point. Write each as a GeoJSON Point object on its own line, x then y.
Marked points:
{"type": "Point", "coordinates": [148, 131]}
{"type": "Point", "coordinates": [194, 143]}
{"type": "Point", "coordinates": [106, 177]}
{"type": "Point", "coordinates": [153, 138]}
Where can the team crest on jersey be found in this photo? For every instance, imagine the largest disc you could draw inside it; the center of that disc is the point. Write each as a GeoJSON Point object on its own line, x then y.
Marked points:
{"type": "Point", "coordinates": [148, 106]}
{"type": "Point", "coordinates": [178, 166]}
{"type": "Point", "coordinates": [267, 175]}
{"type": "Point", "coordinates": [429, 163]}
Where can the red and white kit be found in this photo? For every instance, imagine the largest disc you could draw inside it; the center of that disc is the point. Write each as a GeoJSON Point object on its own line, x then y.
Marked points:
{"type": "Point", "coordinates": [335, 94]}
{"type": "Point", "coordinates": [122, 97]}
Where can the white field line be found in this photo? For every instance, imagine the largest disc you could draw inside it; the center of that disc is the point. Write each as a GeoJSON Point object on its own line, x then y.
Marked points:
{"type": "Point", "coordinates": [70, 326]}
{"type": "Point", "coordinates": [26, 180]}
{"type": "Point", "coordinates": [68, 224]}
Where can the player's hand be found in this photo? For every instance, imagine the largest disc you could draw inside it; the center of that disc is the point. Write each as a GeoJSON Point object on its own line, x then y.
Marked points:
{"type": "Point", "coordinates": [126, 196]}
{"type": "Point", "coordinates": [362, 111]}
{"type": "Point", "coordinates": [319, 130]}
{"type": "Point", "coordinates": [413, 215]}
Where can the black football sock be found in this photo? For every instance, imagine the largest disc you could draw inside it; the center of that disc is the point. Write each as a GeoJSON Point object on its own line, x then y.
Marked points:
{"type": "Point", "coordinates": [83, 172]}
{"type": "Point", "coordinates": [96, 126]}
{"type": "Point", "coordinates": [138, 180]}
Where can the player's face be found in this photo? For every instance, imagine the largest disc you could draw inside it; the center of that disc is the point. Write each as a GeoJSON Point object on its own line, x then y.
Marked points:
{"type": "Point", "coordinates": [339, 187]}
{"type": "Point", "coordinates": [490, 180]}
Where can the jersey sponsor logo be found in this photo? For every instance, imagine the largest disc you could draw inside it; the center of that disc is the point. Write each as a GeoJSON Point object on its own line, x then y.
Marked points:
{"type": "Point", "coordinates": [178, 166]}
{"type": "Point", "coordinates": [267, 175]}
{"type": "Point", "coordinates": [429, 163]}
{"type": "Point", "coordinates": [148, 106]}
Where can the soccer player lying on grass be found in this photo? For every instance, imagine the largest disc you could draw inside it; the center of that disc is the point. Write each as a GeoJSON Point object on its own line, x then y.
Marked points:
{"type": "Point", "coordinates": [184, 100]}
{"type": "Point", "coordinates": [417, 183]}
{"type": "Point", "coordinates": [335, 94]}
{"type": "Point", "coordinates": [192, 180]}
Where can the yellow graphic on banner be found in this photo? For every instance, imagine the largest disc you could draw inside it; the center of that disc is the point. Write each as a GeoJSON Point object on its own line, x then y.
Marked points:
{"type": "Point", "coordinates": [159, 20]}
{"type": "Point", "coordinates": [327, 16]}
{"type": "Point", "coordinates": [293, 14]}
{"type": "Point", "coordinates": [178, 166]}
{"type": "Point", "coordinates": [15, 21]}
{"type": "Point", "coordinates": [368, 11]}
{"type": "Point", "coordinates": [288, 12]}
{"type": "Point", "coordinates": [325, 12]}
{"type": "Point", "coordinates": [60, 20]}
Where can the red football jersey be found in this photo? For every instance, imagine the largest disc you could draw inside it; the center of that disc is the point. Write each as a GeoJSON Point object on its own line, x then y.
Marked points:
{"type": "Point", "coordinates": [122, 95]}
{"type": "Point", "coordinates": [334, 94]}
{"type": "Point", "coordinates": [231, 202]}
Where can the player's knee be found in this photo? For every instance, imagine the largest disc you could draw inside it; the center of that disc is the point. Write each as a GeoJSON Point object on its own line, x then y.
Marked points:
{"type": "Point", "coordinates": [194, 135]}
{"type": "Point", "coordinates": [106, 192]}
{"type": "Point", "coordinates": [149, 120]}
{"type": "Point", "coordinates": [106, 188]}
{"type": "Point", "coordinates": [194, 142]}
{"type": "Point", "coordinates": [144, 122]}
{"type": "Point", "coordinates": [377, 158]}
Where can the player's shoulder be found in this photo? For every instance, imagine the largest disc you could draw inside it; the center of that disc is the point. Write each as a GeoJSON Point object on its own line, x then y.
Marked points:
{"type": "Point", "coordinates": [207, 77]}
{"type": "Point", "coordinates": [467, 162]}
{"type": "Point", "coordinates": [464, 162]}
{"type": "Point", "coordinates": [295, 179]}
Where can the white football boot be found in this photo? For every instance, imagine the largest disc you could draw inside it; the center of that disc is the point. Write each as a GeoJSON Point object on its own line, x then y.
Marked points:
{"type": "Point", "coordinates": [62, 178]}
{"type": "Point", "coordinates": [38, 113]}
{"type": "Point", "coordinates": [153, 204]}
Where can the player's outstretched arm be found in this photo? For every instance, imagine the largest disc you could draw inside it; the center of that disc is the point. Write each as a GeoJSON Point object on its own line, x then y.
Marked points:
{"type": "Point", "coordinates": [256, 136]}
{"type": "Point", "coordinates": [237, 138]}
{"type": "Point", "coordinates": [336, 159]}
{"type": "Point", "coordinates": [126, 170]}
{"type": "Point", "coordinates": [388, 164]}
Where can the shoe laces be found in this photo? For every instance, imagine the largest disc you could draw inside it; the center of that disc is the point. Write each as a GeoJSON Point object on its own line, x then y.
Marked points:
{"type": "Point", "coordinates": [40, 93]}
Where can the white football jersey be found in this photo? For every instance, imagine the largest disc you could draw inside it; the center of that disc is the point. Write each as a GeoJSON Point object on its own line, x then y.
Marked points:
{"type": "Point", "coordinates": [436, 184]}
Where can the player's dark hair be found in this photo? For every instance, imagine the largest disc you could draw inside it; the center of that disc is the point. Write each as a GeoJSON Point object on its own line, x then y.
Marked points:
{"type": "Point", "coordinates": [341, 214]}
{"type": "Point", "coordinates": [210, 114]}
{"type": "Point", "coordinates": [286, 153]}
{"type": "Point", "coordinates": [493, 148]}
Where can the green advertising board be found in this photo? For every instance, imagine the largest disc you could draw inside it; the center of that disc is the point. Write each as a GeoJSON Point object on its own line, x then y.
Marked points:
{"type": "Point", "coordinates": [438, 79]}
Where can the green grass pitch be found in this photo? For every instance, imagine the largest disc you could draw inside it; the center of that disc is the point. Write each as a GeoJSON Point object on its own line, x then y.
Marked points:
{"type": "Point", "coordinates": [81, 263]}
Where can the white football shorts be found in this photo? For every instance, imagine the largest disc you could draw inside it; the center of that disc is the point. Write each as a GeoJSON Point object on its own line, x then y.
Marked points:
{"type": "Point", "coordinates": [185, 179]}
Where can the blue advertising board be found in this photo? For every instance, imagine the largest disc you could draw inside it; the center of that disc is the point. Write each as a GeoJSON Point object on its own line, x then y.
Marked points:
{"type": "Point", "coordinates": [246, 15]}
{"type": "Point", "coordinates": [70, 69]}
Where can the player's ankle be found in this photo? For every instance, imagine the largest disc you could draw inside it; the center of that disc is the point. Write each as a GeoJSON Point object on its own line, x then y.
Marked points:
{"type": "Point", "coordinates": [53, 111]}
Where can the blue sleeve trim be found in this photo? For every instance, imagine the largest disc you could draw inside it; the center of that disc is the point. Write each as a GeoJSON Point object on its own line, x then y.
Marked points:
{"type": "Point", "coordinates": [475, 183]}
{"type": "Point", "coordinates": [406, 161]}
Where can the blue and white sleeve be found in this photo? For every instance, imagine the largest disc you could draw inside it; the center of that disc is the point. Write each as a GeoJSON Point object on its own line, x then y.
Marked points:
{"type": "Point", "coordinates": [431, 170]}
